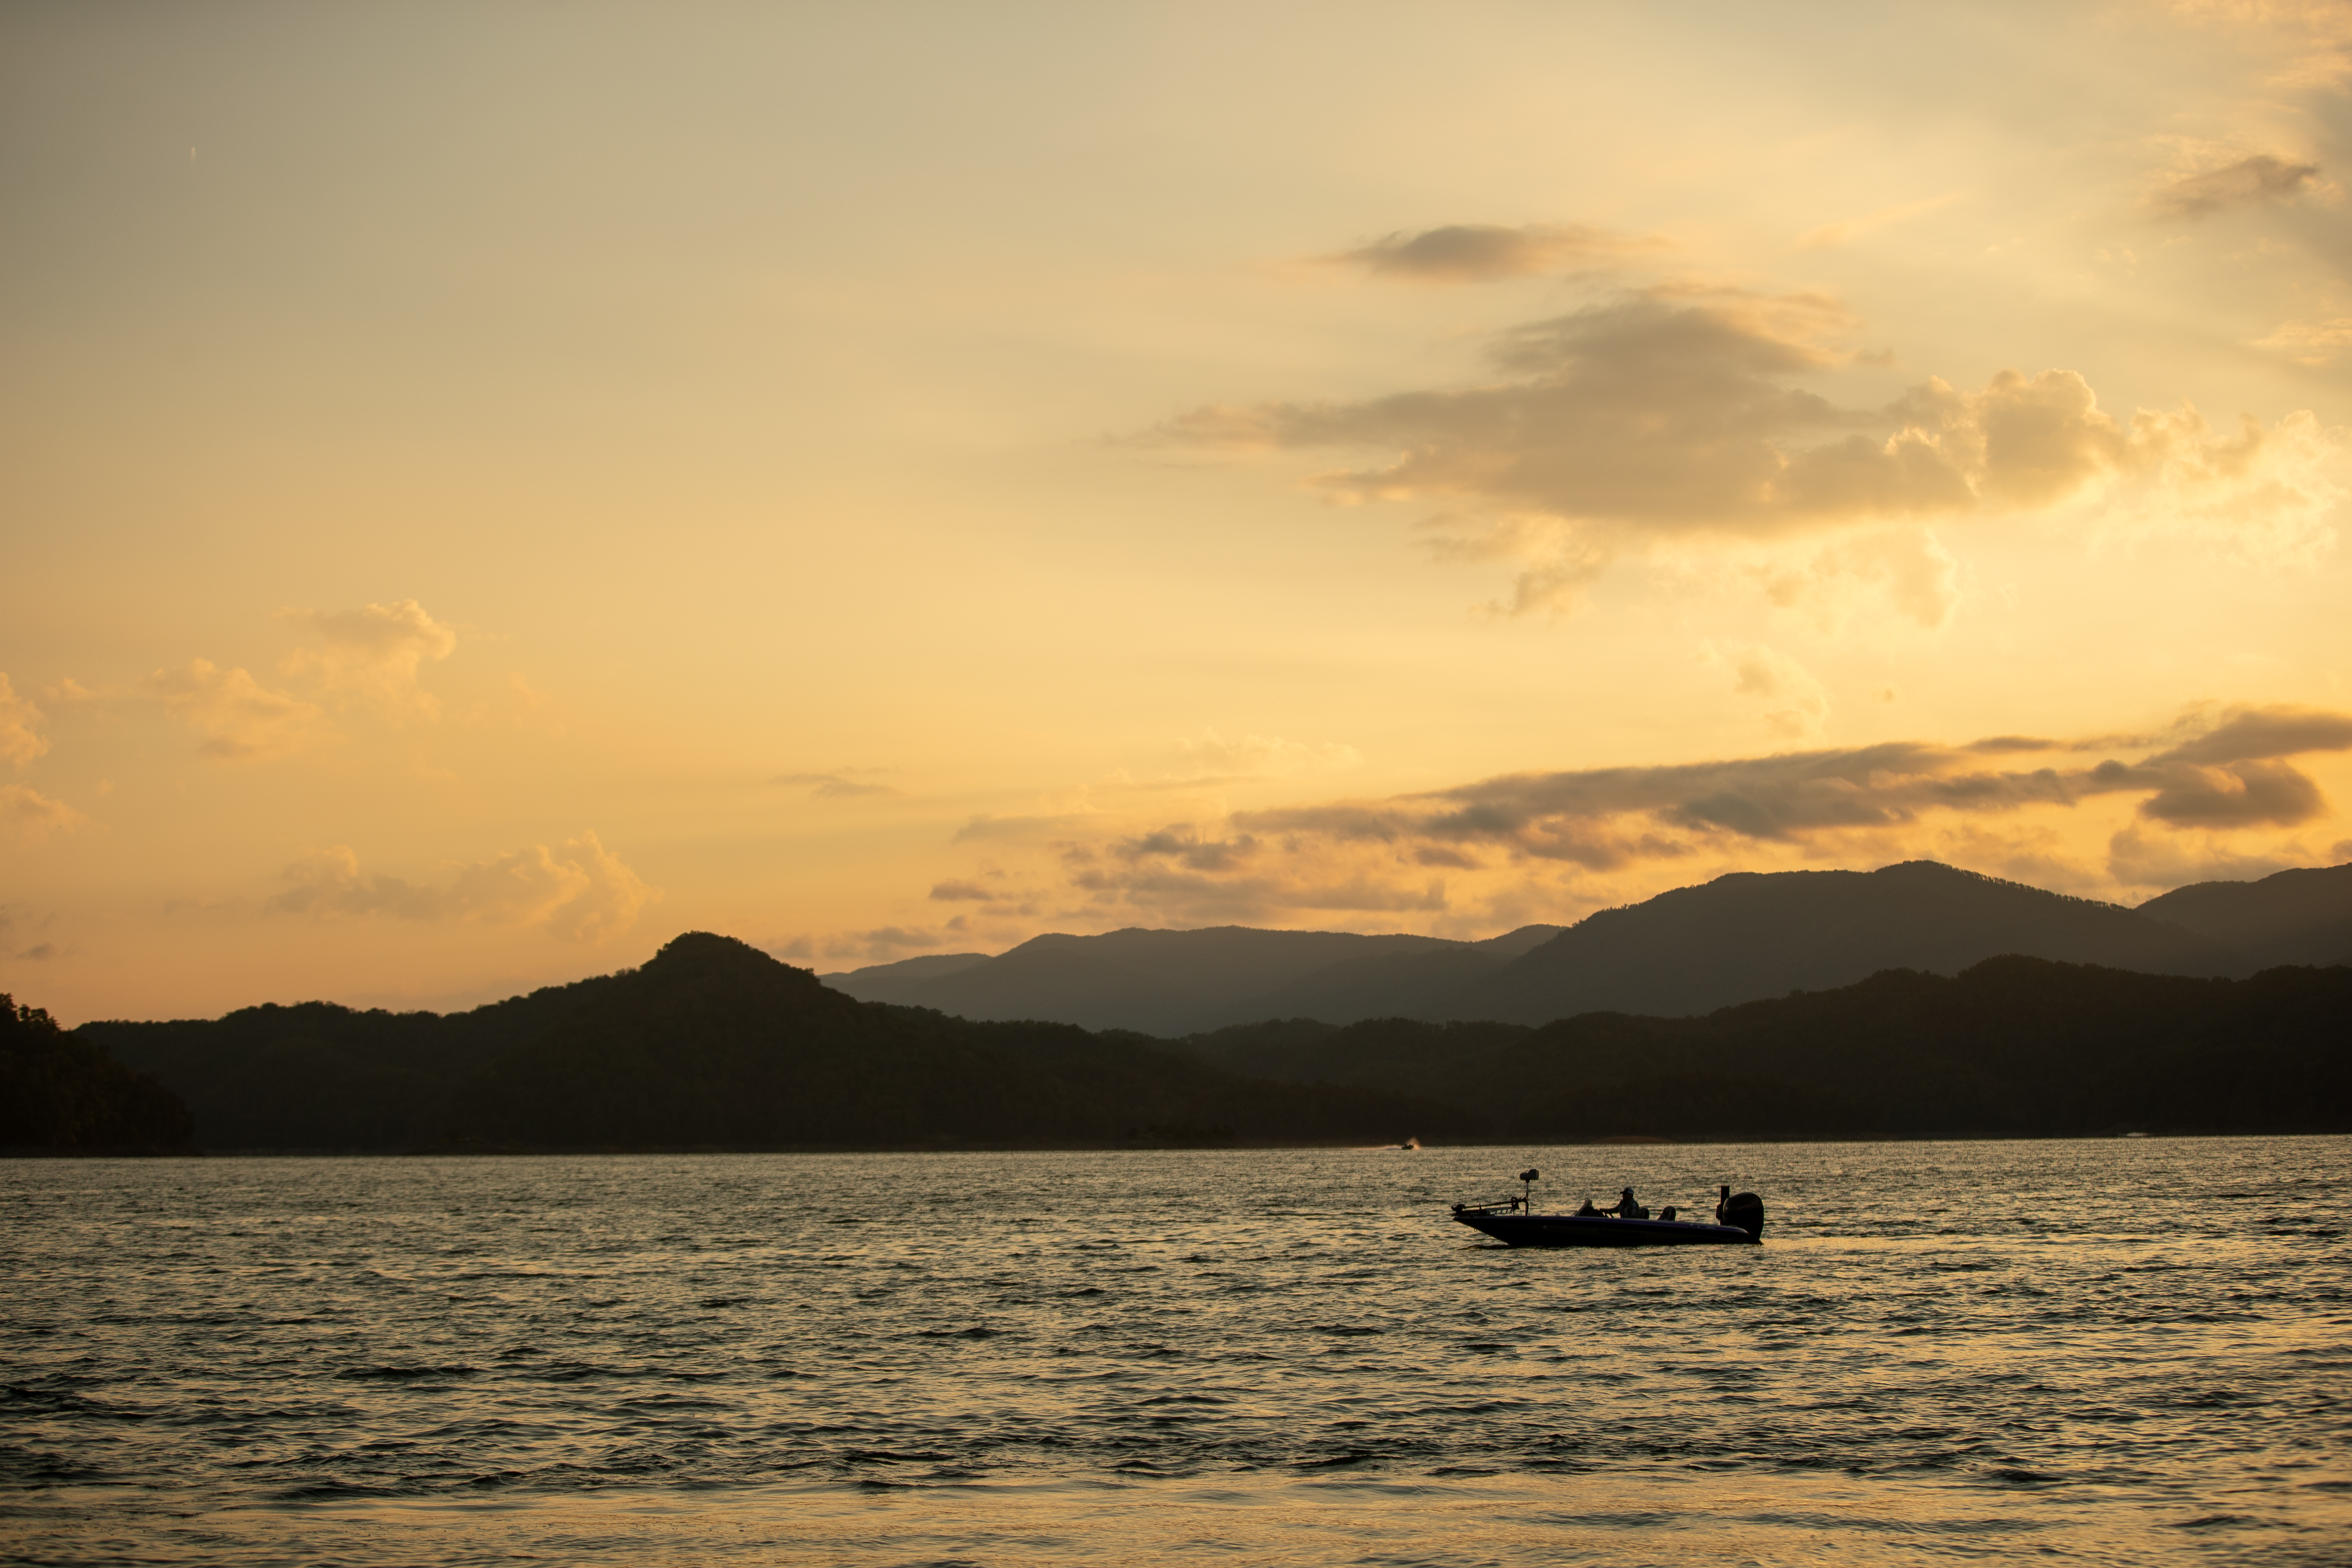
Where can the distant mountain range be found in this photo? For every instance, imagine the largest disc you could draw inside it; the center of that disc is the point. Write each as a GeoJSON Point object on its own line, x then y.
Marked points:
{"type": "Point", "coordinates": [1172, 982]}
{"type": "Point", "coordinates": [1740, 937]}
{"type": "Point", "coordinates": [715, 1044]}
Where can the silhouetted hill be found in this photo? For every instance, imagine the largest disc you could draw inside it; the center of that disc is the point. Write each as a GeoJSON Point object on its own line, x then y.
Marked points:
{"type": "Point", "coordinates": [1749, 935]}
{"type": "Point", "coordinates": [2011, 1045]}
{"type": "Point", "coordinates": [1177, 982]}
{"type": "Point", "coordinates": [61, 1093]}
{"type": "Point", "coordinates": [2292, 916]}
{"type": "Point", "coordinates": [714, 1044]}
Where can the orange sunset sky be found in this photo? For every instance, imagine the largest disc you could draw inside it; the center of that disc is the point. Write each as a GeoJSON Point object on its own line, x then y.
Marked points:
{"type": "Point", "coordinates": [489, 487]}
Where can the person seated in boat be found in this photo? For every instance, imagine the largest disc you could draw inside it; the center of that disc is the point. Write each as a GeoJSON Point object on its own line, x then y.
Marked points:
{"type": "Point", "coordinates": [1627, 1209]}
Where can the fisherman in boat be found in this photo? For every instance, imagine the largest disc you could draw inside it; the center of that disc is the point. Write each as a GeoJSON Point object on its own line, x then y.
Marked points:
{"type": "Point", "coordinates": [1627, 1209]}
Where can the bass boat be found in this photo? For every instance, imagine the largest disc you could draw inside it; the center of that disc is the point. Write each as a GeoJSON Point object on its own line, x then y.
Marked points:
{"type": "Point", "coordinates": [1515, 1222]}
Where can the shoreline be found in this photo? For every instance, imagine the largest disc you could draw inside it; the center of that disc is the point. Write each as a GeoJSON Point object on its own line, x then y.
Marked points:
{"type": "Point", "coordinates": [540, 1151]}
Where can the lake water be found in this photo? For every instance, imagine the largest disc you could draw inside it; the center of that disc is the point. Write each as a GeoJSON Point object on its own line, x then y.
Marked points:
{"type": "Point", "coordinates": [2115, 1352]}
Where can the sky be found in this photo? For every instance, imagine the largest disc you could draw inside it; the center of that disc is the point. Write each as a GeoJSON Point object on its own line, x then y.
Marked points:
{"type": "Point", "coordinates": [488, 487]}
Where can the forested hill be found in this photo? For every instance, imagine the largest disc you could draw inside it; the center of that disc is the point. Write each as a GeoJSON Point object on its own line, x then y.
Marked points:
{"type": "Point", "coordinates": [62, 1094]}
{"type": "Point", "coordinates": [2016, 1047]}
{"type": "Point", "coordinates": [715, 1044]}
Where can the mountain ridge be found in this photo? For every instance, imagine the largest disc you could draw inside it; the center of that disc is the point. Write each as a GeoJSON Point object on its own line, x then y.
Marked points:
{"type": "Point", "coordinates": [1740, 937]}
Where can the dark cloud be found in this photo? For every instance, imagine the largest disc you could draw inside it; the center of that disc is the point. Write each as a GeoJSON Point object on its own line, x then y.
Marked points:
{"type": "Point", "coordinates": [1476, 252]}
{"type": "Point", "coordinates": [1603, 818]}
{"type": "Point", "coordinates": [2238, 797]}
{"type": "Point", "coordinates": [955, 889]}
{"type": "Point", "coordinates": [1187, 847]}
{"type": "Point", "coordinates": [2252, 733]}
{"type": "Point", "coordinates": [2232, 774]}
{"type": "Point", "coordinates": [2246, 183]}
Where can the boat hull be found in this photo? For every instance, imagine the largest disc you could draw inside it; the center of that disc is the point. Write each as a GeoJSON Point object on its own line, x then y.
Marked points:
{"type": "Point", "coordinates": [1579, 1230]}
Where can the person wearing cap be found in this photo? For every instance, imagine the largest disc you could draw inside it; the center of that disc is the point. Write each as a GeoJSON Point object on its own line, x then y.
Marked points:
{"type": "Point", "coordinates": [1627, 1209]}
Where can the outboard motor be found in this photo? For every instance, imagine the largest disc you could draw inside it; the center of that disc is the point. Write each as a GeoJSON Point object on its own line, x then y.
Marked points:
{"type": "Point", "coordinates": [1744, 1211]}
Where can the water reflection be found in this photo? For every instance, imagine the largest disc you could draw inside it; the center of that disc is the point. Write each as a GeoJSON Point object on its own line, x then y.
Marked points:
{"type": "Point", "coordinates": [2098, 1351]}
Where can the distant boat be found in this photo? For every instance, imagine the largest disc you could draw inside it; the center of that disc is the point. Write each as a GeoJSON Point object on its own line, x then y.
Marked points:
{"type": "Point", "coordinates": [1515, 1222]}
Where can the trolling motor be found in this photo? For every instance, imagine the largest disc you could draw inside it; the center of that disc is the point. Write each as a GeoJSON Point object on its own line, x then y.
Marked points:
{"type": "Point", "coordinates": [1527, 1188]}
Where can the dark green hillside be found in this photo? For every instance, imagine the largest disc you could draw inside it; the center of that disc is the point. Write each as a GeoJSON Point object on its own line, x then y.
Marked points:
{"type": "Point", "coordinates": [62, 1093]}
{"type": "Point", "coordinates": [2011, 1045]}
{"type": "Point", "coordinates": [714, 1044]}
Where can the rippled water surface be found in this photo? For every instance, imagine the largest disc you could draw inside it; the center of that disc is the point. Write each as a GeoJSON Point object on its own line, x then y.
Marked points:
{"type": "Point", "coordinates": [2112, 1351]}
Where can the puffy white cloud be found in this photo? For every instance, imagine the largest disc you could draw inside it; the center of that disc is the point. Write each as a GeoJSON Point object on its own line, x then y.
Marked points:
{"type": "Point", "coordinates": [19, 742]}
{"type": "Point", "coordinates": [373, 655]}
{"type": "Point", "coordinates": [241, 718]}
{"type": "Point", "coordinates": [579, 891]}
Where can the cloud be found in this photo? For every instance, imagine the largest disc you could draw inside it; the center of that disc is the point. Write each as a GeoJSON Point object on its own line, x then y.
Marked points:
{"type": "Point", "coordinates": [1796, 704]}
{"type": "Point", "coordinates": [2311, 40]}
{"type": "Point", "coordinates": [1210, 758]}
{"type": "Point", "coordinates": [243, 719]}
{"type": "Point", "coordinates": [18, 743]}
{"type": "Point", "coordinates": [835, 786]}
{"type": "Point", "coordinates": [2311, 343]}
{"type": "Point", "coordinates": [1480, 252]}
{"type": "Point", "coordinates": [580, 891]}
{"type": "Point", "coordinates": [1184, 873]}
{"type": "Point", "coordinates": [1685, 412]}
{"type": "Point", "coordinates": [373, 654]}
{"type": "Point", "coordinates": [2250, 733]}
{"type": "Point", "coordinates": [1906, 567]}
{"type": "Point", "coordinates": [1830, 236]}
{"type": "Point", "coordinates": [879, 945]}
{"type": "Point", "coordinates": [2217, 786]}
{"type": "Point", "coordinates": [2249, 182]}
{"type": "Point", "coordinates": [2137, 858]}
{"type": "Point", "coordinates": [30, 817]}
{"type": "Point", "coordinates": [2234, 771]}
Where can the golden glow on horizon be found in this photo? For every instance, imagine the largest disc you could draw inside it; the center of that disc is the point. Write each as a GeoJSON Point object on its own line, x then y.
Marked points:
{"type": "Point", "coordinates": [488, 491]}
